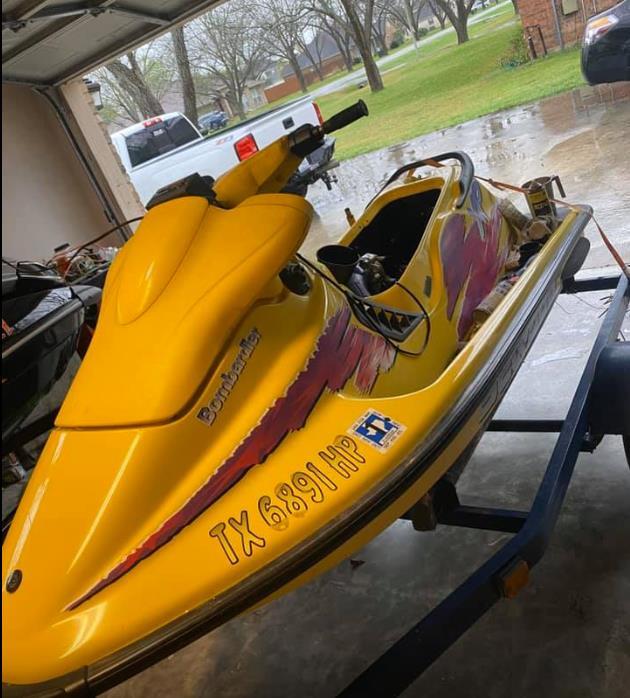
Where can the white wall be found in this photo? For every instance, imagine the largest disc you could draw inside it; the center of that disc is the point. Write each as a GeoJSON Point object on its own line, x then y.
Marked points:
{"type": "Point", "coordinates": [46, 197]}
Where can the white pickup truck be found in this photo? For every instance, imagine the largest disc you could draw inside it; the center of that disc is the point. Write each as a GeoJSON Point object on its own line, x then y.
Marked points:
{"type": "Point", "coordinates": [166, 148]}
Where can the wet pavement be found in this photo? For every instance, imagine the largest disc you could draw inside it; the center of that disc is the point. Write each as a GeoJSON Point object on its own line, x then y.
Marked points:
{"type": "Point", "coordinates": [582, 135]}
{"type": "Point", "coordinates": [568, 633]}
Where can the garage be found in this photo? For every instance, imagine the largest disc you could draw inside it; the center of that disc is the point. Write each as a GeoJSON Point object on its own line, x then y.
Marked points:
{"type": "Point", "coordinates": [324, 391]}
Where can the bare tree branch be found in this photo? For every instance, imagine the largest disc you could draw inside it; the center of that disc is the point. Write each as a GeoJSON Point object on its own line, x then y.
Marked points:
{"type": "Point", "coordinates": [406, 13]}
{"type": "Point", "coordinates": [339, 34]}
{"type": "Point", "coordinates": [283, 22]}
{"type": "Point", "coordinates": [131, 79]}
{"type": "Point", "coordinates": [355, 17]}
{"type": "Point", "coordinates": [229, 47]}
{"type": "Point", "coordinates": [458, 12]}
{"type": "Point", "coordinates": [439, 13]}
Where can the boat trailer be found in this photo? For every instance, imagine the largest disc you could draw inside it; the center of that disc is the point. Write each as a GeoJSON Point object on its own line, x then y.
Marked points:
{"type": "Point", "coordinates": [600, 406]}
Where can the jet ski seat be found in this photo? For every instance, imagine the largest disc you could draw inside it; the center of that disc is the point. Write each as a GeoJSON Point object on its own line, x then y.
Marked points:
{"type": "Point", "coordinates": [173, 296]}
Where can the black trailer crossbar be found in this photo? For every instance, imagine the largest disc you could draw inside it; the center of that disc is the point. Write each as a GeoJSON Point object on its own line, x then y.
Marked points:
{"type": "Point", "coordinates": [526, 425]}
{"type": "Point", "coordinates": [507, 570]}
{"type": "Point", "coordinates": [485, 518]}
{"type": "Point", "coordinates": [598, 283]}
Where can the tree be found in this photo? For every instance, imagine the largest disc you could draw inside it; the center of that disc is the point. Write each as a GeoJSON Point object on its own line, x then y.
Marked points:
{"type": "Point", "coordinates": [185, 75]}
{"type": "Point", "coordinates": [133, 86]}
{"type": "Point", "coordinates": [312, 51]}
{"type": "Point", "coordinates": [118, 106]}
{"type": "Point", "coordinates": [439, 13]}
{"type": "Point", "coordinates": [357, 18]}
{"type": "Point", "coordinates": [458, 12]}
{"type": "Point", "coordinates": [338, 33]}
{"type": "Point", "coordinates": [132, 80]}
{"type": "Point", "coordinates": [283, 24]}
{"type": "Point", "coordinates": [407, 14]}
{"type": "Point", "coordinates": [229, 46]}
{"type": "Point", "coordinates": [379, 27]}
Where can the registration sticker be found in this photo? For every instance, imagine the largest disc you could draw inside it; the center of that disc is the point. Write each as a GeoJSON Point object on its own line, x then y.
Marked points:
{"type": "Point", "coordinates": [377, 430]}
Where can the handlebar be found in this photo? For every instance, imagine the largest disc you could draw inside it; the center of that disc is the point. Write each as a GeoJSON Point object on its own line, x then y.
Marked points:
{"type": "Point", "coordinates": [345, 117]}
{"type": "Point", "coordinates": [465, 180]}
{"type": "Point", "coordinates": [305, 139]}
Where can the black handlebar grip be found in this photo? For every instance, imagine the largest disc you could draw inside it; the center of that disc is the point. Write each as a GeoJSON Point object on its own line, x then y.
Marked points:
{"type": "Point", "coordinates": [345, 117]}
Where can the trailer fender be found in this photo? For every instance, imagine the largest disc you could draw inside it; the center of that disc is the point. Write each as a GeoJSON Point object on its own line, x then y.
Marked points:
{"type": "Point", "coordinates": [609, 401]}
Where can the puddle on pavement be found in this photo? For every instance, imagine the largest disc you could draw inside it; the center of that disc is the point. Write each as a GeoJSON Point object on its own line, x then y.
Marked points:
{"type": "Point", "coordinates": [581, 135]}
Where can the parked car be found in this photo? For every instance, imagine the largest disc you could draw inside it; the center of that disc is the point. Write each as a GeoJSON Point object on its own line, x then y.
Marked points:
{"type": "Point", "coordinates": [606, 46]}
{"type": "Point", "coordinates": [166, 148]}
{"type": "Point", "coordinates": [213, 121]}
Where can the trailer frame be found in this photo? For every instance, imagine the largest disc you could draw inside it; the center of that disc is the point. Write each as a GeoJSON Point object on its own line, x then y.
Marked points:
{"type": "Point", "coordinates": [505, 573]}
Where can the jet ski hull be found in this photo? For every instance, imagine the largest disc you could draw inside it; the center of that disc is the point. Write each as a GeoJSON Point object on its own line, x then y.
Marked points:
{"type": "Point", "coordinates": [485, 369]}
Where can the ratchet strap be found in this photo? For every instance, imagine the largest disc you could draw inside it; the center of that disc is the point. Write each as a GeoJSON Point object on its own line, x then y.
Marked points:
{"type": "Point", "coordinates": [574, 207]}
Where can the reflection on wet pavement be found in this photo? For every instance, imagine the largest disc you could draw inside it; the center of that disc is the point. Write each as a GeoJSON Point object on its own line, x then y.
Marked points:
{"type": "Point", "coordinates": [580, 135]}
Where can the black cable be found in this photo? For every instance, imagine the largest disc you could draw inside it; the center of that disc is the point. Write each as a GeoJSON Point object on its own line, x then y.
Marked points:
{"type": "Point", "coordinates": [10, 264]}
{"type": "Point", "coordinates": [100, 237]}
{"type": "Point", "coordinates": [353, 298]}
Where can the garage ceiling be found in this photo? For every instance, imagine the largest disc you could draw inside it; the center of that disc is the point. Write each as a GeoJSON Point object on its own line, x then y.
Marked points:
{"type": "Point", "coordinates": [50, 42]}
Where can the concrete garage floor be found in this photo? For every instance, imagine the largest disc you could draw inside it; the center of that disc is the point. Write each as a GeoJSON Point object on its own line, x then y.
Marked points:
{"type": "Point", "coordinates": [568, 633]}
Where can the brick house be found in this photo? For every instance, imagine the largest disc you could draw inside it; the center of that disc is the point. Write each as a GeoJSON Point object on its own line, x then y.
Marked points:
{"type": "Point", "coordinates": [324, 50]}
{"type": "Point", "coordinates": [561, 22]}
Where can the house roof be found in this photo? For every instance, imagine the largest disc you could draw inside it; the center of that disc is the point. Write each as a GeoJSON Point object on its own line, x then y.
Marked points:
{"type": "Point", "coordinates": [322, 46]}
{"type": "Point", "coordinates": [426, 12]}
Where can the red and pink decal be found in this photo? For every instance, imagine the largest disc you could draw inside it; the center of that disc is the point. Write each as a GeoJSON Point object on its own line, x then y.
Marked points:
{"type": "Point", "coordinates": [343, 350]}
{"type": "Point", "coordinates": [472, 259]}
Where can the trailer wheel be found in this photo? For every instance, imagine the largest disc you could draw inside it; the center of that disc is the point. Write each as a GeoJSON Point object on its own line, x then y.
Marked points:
{"type": "Point", "coordinates": [609, 407]}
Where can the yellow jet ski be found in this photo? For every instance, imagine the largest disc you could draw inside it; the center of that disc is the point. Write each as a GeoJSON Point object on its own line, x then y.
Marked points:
{"type": "Point", "coordinates": [245, 417]}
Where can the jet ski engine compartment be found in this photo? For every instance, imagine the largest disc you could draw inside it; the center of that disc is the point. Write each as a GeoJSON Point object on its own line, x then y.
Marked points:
{"type": "Point", "coordinates": [397, 230]}
{"type": "Point", "coordinates": [380, 253]}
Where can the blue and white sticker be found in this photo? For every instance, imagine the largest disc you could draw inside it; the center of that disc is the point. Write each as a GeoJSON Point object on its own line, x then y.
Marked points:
{"type": "Point", "coordinates": [377, 430]}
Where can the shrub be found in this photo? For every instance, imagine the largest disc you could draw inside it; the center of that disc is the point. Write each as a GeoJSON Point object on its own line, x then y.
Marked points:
{"type": "Point", "coordinates": [517, 54]}
{"type": "Point", "coordinates": [397, 40]}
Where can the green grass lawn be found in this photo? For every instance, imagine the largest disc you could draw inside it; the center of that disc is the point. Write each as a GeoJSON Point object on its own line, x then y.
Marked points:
{"type": "Point", "coordinates": [444, 84]}
{"type": "Point", "coordinates": [504, 10]}
{"type": "Point", "coordinates": [321, 83]}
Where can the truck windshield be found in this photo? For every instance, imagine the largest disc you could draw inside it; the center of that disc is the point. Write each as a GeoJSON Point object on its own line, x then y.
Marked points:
{"type": "Point", "coordinates": [159, 137]}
